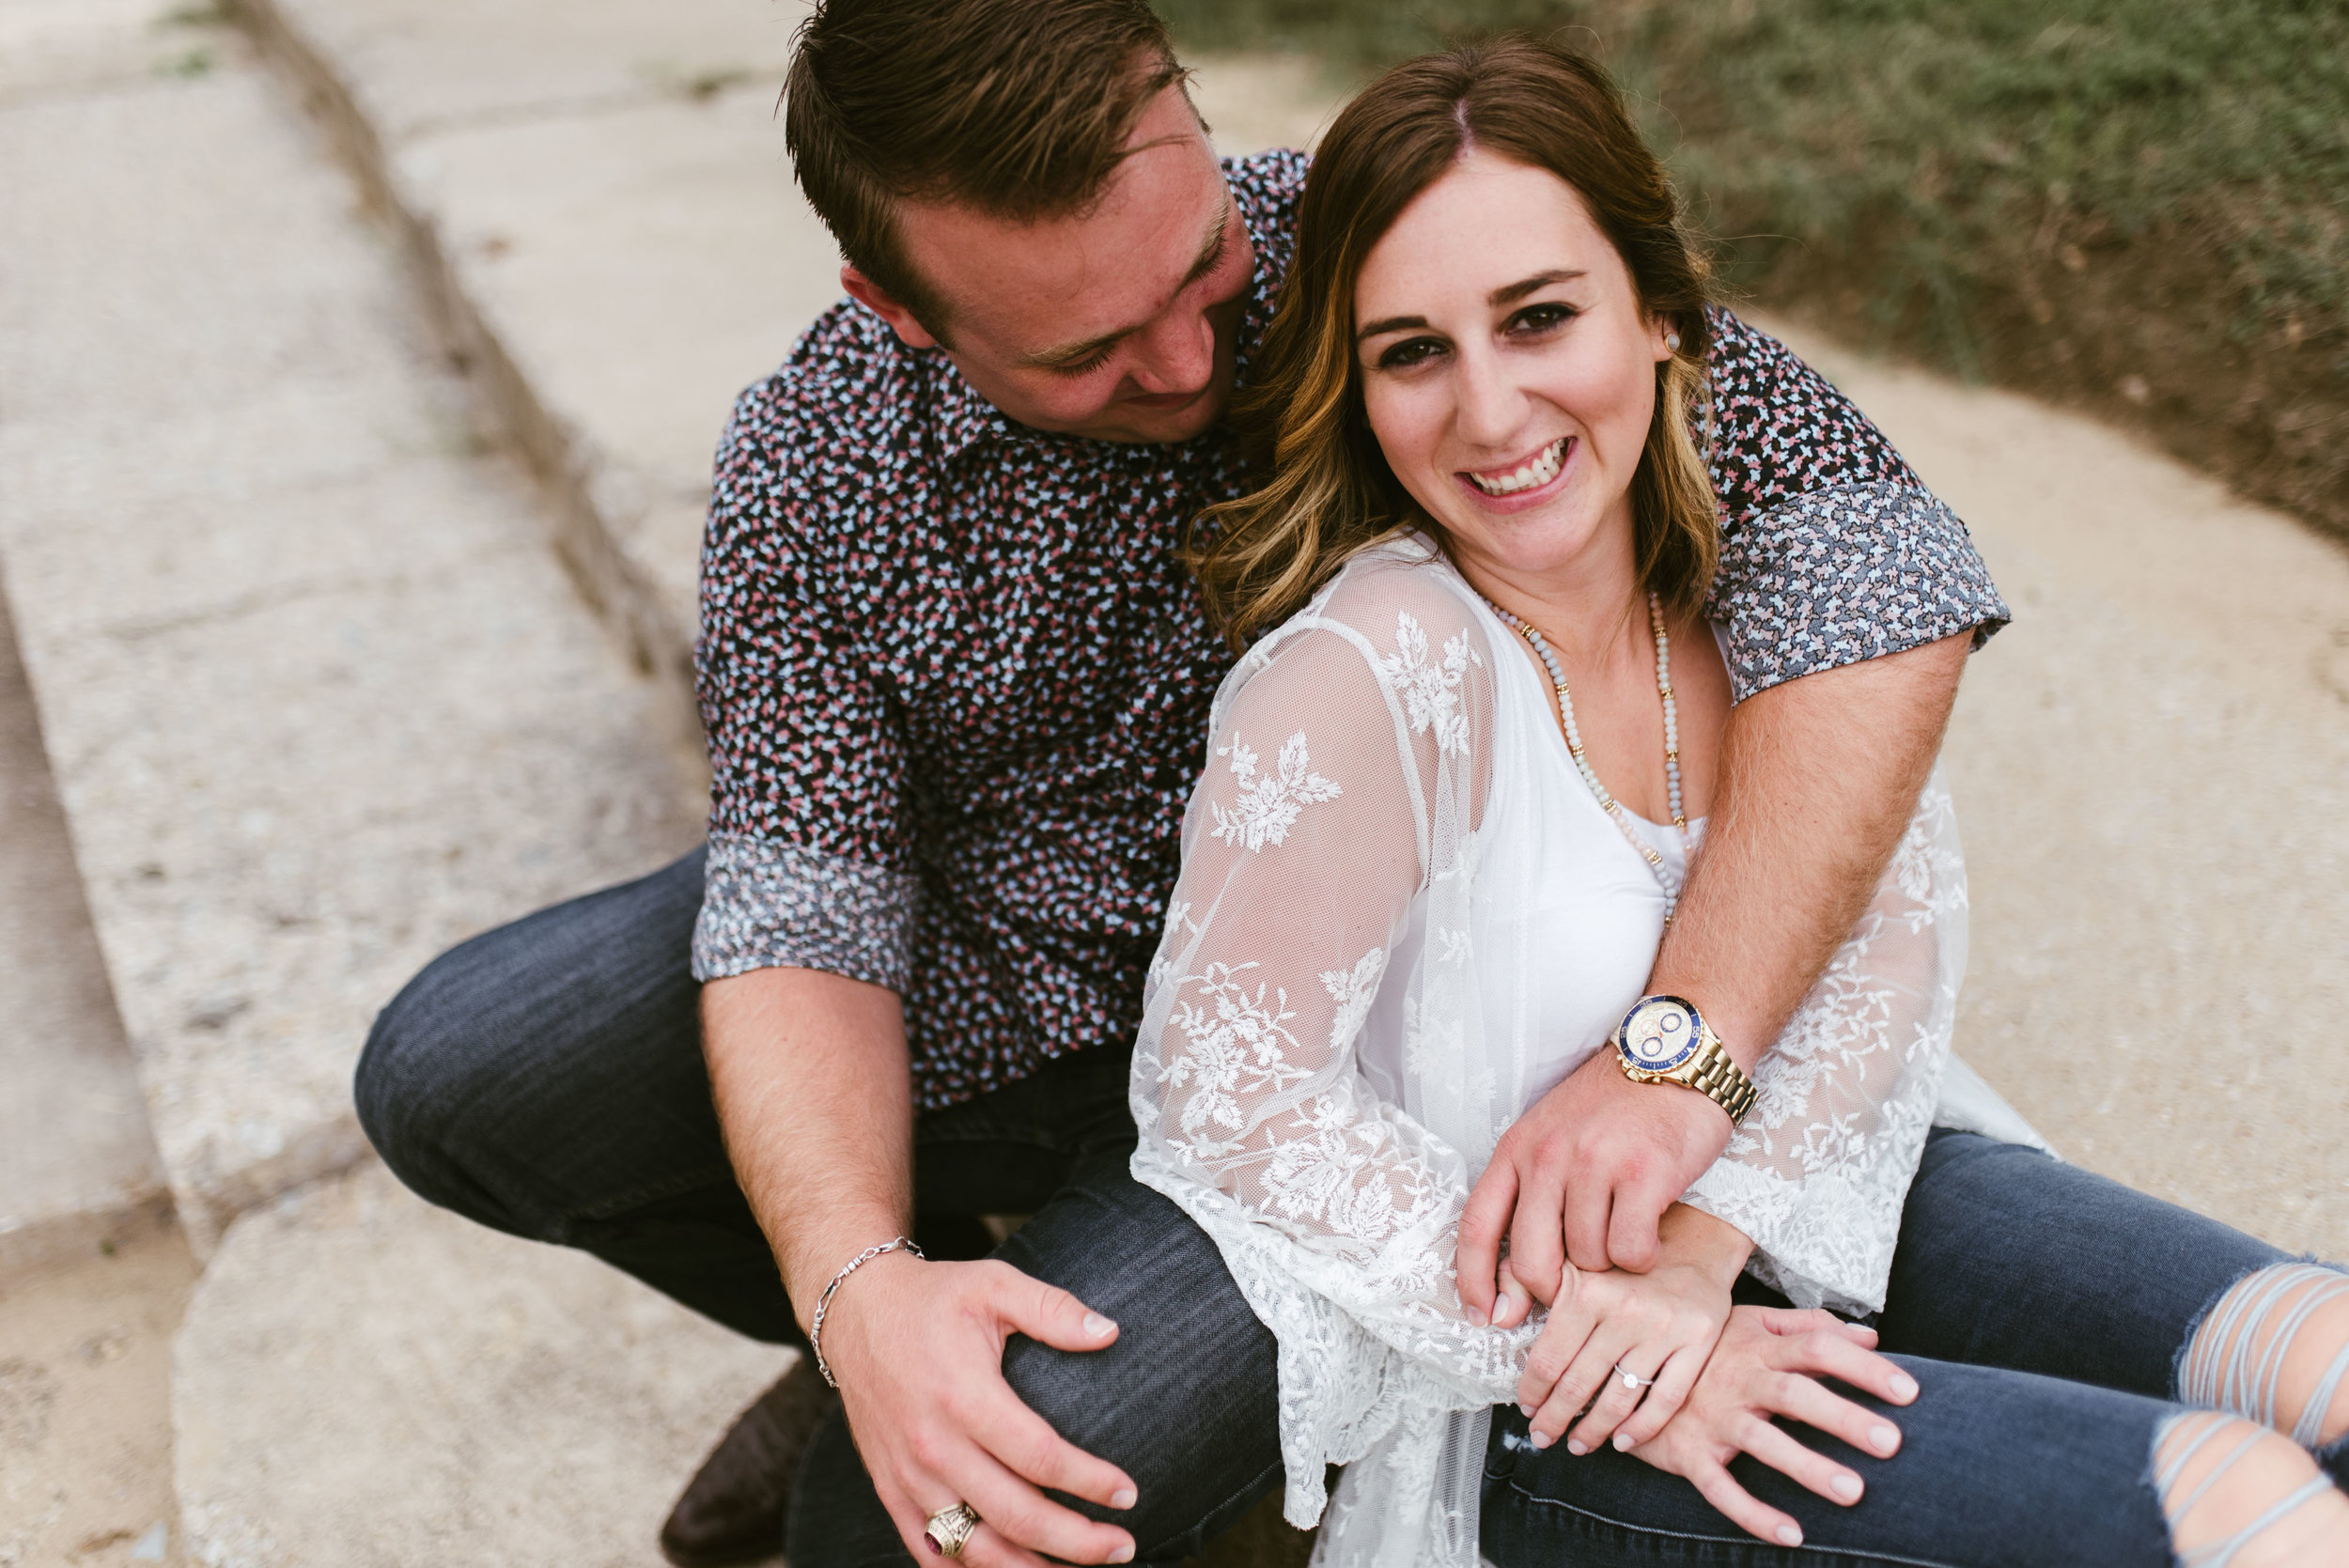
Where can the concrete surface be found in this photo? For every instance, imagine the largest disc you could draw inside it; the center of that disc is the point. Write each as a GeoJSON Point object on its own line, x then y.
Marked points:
{"type": "Point", "coordinates": [85, 1407]}
{"type": "Point", "coordinates": [364, 1380]}
{"type": "Point", "coordinates": [317, 699]}
{"type": "Point", "coordinates": [77, 1165]}
{"type": "Point", "coordinates": [2152, 774]}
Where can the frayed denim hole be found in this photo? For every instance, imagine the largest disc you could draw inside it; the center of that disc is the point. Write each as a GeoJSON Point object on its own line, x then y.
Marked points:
{"type": "Point", "coordinates": [2186, 1344]}
{"type": "Point", "coordinates": [2333, 1459]}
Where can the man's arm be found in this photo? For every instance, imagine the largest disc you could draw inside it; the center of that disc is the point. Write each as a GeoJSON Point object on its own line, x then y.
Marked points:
{"type": "Point", "coordinates": [1818, 778]}
{"type": "Point", "coordinates": [1851, 596]}
{"type": "Point", "coordinates": [810, 1076]}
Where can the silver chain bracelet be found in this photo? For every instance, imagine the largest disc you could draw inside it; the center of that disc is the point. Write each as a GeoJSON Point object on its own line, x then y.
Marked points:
{"type": "Point", "coordinates": [823, 1302]}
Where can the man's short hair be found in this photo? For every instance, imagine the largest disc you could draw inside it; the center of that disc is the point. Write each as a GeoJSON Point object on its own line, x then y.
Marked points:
{"type": "Point", "coordinates": [1020, 108]}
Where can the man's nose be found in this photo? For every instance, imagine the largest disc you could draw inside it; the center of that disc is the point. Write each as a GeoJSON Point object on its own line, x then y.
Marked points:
{"type": "Point", "coordinates": [1177, 352]}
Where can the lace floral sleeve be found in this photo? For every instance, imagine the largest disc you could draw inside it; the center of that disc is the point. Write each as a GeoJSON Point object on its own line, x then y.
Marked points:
{"type": "Point", "coordinates": [1337, 765]}
{"type": "Point", "coordinates": [1327, 861]}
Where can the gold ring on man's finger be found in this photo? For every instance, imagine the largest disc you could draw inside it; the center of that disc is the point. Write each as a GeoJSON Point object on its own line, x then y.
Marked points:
{"type": "Point", "coordinates": [949, 1529]}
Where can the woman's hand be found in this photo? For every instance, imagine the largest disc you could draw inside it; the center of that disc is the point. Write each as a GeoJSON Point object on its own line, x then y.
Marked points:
{"type": "Point", "coordinates": [1769, 1362]}
{"type": "Point", "coordinates": [1658, 1327]}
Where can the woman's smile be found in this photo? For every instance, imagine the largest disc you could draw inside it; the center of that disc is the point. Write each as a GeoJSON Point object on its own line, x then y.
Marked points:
{"type": "Point", "coordinates": [1527, 482]}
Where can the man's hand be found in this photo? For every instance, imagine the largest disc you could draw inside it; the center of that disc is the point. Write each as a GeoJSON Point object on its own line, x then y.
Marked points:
{"type": "Point", "coordinates": [1769, 1363]}
{"type": "Point", "coordinates": [1593, 1165]}
{"type": "Point", "coordinates": [918, 1348]}
{"type": "Point", "coordinates": [813, 1089]}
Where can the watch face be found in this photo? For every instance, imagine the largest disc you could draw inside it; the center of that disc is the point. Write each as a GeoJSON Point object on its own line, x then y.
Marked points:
{"type": "Point", "coordinates": [1658, 1033]}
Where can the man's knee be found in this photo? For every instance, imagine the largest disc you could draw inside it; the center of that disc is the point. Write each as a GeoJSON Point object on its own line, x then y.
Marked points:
{"type": "Point", "coordinates": [1187, 1401]}
{"type": "Point", "coordinates": [431, 1060]}
{"type": "Point", "coordinates": [583, 1000]}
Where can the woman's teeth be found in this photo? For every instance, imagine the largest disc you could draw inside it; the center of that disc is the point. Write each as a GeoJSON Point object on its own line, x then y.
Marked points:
{"type": "Point", "coordinates": [1541, 471]}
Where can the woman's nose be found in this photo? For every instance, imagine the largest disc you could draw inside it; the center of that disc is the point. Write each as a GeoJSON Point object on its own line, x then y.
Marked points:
{"type": "Point", "coordinates": [1489, 406]}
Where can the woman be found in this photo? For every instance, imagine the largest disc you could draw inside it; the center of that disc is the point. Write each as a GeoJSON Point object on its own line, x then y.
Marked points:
{"type": "Point", "coordinates": [1452, 793]}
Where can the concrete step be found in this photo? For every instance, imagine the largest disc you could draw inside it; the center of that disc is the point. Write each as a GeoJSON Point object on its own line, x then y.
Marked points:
{"type": "Point", "coordinates": [366, 1381]}
{"type": "Point", "coordinates": [78, 1168]}
{"type": "Point", "coordinates": [318, 699]}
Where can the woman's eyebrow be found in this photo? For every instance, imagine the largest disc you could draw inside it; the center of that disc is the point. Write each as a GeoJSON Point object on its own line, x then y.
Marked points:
{"type": "Point", "coordinates": [1390, 324]}
{"type": "Point", "coordinates": [1518, 290]}
{"type": "Point", "coordinates": [1508, 294]}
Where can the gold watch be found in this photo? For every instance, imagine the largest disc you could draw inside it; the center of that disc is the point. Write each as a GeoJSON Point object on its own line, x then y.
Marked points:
{"type": "Point", "coordinates": [1666, 1040]}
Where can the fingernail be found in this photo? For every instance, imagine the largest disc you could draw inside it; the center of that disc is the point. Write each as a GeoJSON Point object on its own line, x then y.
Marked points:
{"type": "Point", "coordinates": [1526, 1410]}
{"type": "Point", "coordinates": [1904, 1386]}
{"type": "Point", "coordinates": [1541, 1439]}
{"type": "Point", "coordinates": [1576, 1447]}
{"type": "Point", "coordinates": [1845, 1487]}
{"type": "Point", "coordinates": [1477, 1317]}
{"type": "Point", "coordinates": [1884, 1437]}
{"type": "Point", "coordinates": [1099, 1326]}
{"type": "Point", "coordinates": [1623, 1442]}
{"type": "Point", "coordinates": [1789, 1536]}
{"type": "Point", "coordinates": [1122, 1554]}
{"type": "Point", "coordinates": [1122, 1497]}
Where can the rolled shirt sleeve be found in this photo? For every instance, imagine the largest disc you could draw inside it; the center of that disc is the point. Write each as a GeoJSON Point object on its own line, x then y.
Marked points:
{"type": "Point", "coordinates": [809, 860]}
{"type": "Point", "coordinates": [1832, 549]}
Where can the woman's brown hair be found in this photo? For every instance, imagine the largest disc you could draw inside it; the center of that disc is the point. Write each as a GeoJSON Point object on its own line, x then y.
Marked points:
{"type": "Point", "coordinates": [1329, 492]}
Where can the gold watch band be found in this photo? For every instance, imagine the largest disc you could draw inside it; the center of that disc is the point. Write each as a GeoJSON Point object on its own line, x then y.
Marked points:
{"type": "Point", "coordinates": [1712, 1074]}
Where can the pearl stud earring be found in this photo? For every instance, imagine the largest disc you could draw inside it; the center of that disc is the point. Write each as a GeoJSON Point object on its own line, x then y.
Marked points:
{"type": "Point", "coordinates": [1671, 341]}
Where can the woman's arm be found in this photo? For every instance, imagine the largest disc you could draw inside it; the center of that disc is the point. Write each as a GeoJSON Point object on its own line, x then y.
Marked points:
{"type": "Point", "coordinates": [1342, 777]}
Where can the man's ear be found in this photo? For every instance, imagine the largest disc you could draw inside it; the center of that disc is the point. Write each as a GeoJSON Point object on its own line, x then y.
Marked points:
{"type": "Point", "coordinates": [873, 297]}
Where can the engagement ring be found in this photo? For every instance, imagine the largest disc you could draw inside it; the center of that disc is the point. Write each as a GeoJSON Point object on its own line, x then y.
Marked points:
{"type": "Point", "coordinates": [1631, 1381]}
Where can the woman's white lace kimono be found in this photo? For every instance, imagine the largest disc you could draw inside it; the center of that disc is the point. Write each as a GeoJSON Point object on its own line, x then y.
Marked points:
{"type": "Point", "coordinates": [1347, 1010]}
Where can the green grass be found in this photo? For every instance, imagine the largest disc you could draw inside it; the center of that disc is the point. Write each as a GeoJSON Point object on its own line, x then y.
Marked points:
{"type": "Point", "coordinates": [2138, 205]}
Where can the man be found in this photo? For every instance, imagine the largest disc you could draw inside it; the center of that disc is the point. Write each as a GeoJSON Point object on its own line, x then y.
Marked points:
{"type": "Point", "coordinates": [956, 684]}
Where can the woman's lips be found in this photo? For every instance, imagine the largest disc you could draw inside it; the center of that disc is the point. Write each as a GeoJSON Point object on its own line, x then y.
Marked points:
{"type": "Point", "coordinates": [1523, 480]}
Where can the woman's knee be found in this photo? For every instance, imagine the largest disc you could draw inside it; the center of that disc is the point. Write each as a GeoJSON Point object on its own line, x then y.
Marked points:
{"type": "Point", "coordinates": [2274, 1348]}
{"type": "Point", "coordinates": [2237, 1495]}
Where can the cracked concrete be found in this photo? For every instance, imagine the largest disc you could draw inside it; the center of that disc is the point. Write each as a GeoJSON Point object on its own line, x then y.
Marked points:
{"type": "Point", "coordinates": [317, 698]}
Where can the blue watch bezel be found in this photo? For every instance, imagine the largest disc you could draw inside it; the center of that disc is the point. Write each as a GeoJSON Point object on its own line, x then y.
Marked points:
{"type": "Point", "coordinates": [1688, 1049]}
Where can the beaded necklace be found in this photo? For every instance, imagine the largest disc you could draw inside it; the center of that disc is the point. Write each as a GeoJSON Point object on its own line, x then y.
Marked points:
{"type": "Point", "coordinates": [1533, 640]}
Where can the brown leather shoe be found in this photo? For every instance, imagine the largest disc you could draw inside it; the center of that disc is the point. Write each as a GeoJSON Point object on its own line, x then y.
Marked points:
{"type": "Point", "coordinates": [732, 1511]}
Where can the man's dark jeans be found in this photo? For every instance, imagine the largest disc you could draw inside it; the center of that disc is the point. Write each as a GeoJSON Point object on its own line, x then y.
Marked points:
{"type": "Point", "coordinates": [546, 1078]}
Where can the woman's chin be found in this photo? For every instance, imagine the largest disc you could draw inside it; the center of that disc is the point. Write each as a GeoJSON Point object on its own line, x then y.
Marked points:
{"type": "Point", "coordinates": [1550, 531]}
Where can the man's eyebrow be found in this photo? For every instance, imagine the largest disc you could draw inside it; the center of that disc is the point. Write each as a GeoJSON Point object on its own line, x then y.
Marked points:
{"type": "Point", "coordinates": [1508, 295]}
{"type": "Point", "coordinates": [1210, 256]}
